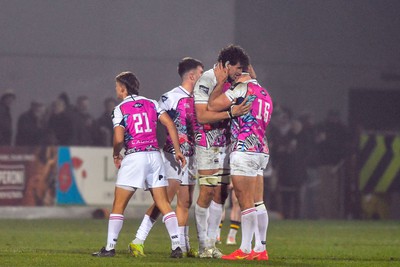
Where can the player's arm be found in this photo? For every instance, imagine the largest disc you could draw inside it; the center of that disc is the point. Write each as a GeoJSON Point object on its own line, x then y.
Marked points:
{"type": "Point", "coordinates": [204, 115]}
{"type": "Point", "coordinates": [118, 137]}
{"type": "Point", "coordinates": [218, 102]}
{"type": "Point", "coordinates": [173, 133]}
{"type": "Point", "coordinates": [118, 143]}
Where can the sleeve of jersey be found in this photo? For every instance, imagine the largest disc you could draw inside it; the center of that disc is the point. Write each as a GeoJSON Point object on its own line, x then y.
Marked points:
{"type": "Point", "coordinates": [163, 102]}
{"type": "Point", "coordinates": [159, 109]}
{"type": "Point", "coordinates": [117, 117]}
{"type": "Point", "coordinates": [239, 91]}
{"type": "Point", "coordinates": [202, 90]}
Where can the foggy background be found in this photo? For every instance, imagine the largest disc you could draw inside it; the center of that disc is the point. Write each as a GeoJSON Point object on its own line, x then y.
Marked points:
{"type": "Point", "coordinates": [307, 53]}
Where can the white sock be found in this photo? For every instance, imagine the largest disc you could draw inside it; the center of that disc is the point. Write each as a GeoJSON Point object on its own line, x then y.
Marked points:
{"type": "Point", "coordinates": [201, 225]}
{"type": "Point", "coordinates": [214, 219]}
{"type": "Point", "coordinates": [187, 243]}
{"type": "Point", "coordinates": [232, 233]}
{"type": "Point", "coordinates": [249, 218]}
{"type": "Point", "coordinates": [182, 239]}
{"type": "Point", "coordinates": [144, 229]}
{"type": "Point", "coordinates": [262, 227]}
{"type": "Point", "coordinates": [234, 227]}
{"type": "Point", "coordinates": [171, 223]}
{"type": "Point", "coordinates": [115, 223]}
{"type": "Point", "coordinates": [219, 230]}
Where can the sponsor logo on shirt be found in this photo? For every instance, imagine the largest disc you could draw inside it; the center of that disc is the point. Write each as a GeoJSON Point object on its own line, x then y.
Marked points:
{"type": "Point", "coordinates": [204, 89]}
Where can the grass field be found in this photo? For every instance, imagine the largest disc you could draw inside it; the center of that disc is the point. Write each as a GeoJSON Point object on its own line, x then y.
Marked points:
{"type": "Point", "coordinates": [291, 243]}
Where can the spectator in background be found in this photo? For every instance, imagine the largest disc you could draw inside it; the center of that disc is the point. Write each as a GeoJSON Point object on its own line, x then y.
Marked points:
{"type": "Point", "coordinates": [292, 173]}
{"type": "Point", "coordinates": [104, 124]}
{"type": "Point", "coordinates": [332, 141]}
{"type": "Point", "coordinates": [31, 126]}
{"type": "Point", "coordinates": [60, 125]}
{"type": "Point", "coordinates": [5, 118]}
{"type": "Point", "coordinates": [309, 189]}
{"type": "Point", "coordinates": [83, 123]}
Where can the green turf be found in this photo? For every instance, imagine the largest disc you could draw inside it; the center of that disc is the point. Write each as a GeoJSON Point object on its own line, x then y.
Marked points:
{"type": "Point", "coordinates": [291, 243]}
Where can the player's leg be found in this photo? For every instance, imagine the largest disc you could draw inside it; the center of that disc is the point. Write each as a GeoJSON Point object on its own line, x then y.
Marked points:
{"type": "Point", "coordinates": [208, 165]}
{"type": "Point", "coordinates": [170, 220]}
{"type": "Point", "coordinates": [137, 245]}
{"type": "Point", "coordinates": [220, 196]}
{"type": "Point", "coordinates": [220, 225]}
{"type": "Point", "coordinates": [201, 210]}
{"type": "Point", "coordinates": [158, 183]}
{"type": "Point", "coordinates": [184, 202]}
{"type": "Point", "coordinates": [260, 247]}
{"type": "Point", "coordinates": [243, 176]}
{"type": "Point", "coordinates": [122, 196]}
{"type": "Point", "coordinates": [215, 212]}
{"type": "Point", "coordinates": [235, 218]}
{"type": "Point", "coordinates": [244, 187]}
{"type": "Point", "coordinates": [131, 166]}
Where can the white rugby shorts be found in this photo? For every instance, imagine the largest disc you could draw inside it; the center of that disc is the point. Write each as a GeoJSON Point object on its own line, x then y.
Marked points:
{"type": "Point", "coordinates": [248, 163]}
{"type": "Point", "coordinates": [173, 170]}
{"type": "Point", "coordinates": [212, 158]}
{"type": "Point", "coordinates": [142, 170]}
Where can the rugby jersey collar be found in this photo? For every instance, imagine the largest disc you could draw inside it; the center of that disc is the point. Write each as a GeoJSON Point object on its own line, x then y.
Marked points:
{"type": "Point", "coordinates": [184, 90]}
{"type": "Point", "coordinates": [130, 97]}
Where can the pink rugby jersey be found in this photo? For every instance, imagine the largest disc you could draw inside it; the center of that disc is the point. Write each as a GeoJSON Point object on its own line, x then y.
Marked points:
{"type": "Point", "coordinates": [248, 130]}
{"type": "Point", "coordinates": [139, 116]}
{"type": "Point", "coordinates": [210, 134]}
{"type": "Point", "coordinates": [179, 105]}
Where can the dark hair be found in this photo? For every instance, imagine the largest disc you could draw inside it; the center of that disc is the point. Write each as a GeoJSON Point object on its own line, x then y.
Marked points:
{"type": "Point", "coordinates": [187, 64]}
{"type": "Point", "coordinates": [234, 54]}
{"type": "Point", "coordinates": [130, 81]}
{"type": "Point", "coordinates": [65, 98]}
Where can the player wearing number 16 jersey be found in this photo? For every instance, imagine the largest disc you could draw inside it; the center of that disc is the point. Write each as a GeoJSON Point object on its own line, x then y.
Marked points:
{"type": "Point", "coordinates": [135, 121]}
{"type": "Point", "coordinates": [248, 159]}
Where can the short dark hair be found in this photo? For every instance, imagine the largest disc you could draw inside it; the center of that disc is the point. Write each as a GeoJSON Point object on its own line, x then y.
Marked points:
{"type": "Point", "coordinates": [234, 54]}
{"type": "Point", "coordinates": [187, 64]}
{"type": "Point", "coordinates": [130, 81]}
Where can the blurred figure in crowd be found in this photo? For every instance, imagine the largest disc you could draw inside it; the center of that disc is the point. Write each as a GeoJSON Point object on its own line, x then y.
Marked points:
{"type": "Point", "coordinates": [31, 126]}
{"type": "Point", "coordinates": [60, 124]}
{"type": "Point", "coordinates": [332, 141]}
{"type": "Point", "coordinates": [309, 190]}
{"type": "Point", "coordinates": [104, 124]}
{"type": "Point", "coordinates": [292, 173]}
{"type": "Point", "coordinates": [6, 101]}
{"type": "Point", "coordinates": [83, 122]}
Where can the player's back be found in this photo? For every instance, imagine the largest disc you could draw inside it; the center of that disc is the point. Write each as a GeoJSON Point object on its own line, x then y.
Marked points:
{"type": "Point", "coordinates": [138, 115]}
{"type": "Point", "coordinates": [179, 105]}
{"type": "Point", "coordinates": [248, 130]}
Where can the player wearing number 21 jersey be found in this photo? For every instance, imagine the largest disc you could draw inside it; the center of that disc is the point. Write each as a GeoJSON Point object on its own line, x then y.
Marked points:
{"type": "Point", "coordinates": [135, 123]}
{"type": "Point", "coordinates": [138, 115]}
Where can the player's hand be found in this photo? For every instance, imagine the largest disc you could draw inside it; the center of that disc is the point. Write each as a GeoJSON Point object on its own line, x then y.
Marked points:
{"type": "Point", "coordinates": [239, 110]}
{"type": "Point", "coordinates": [221, 73]}
{"type": "Point", "coordinates": [179, 157]}
{"type": "Point", "coordinates": [117, 161]}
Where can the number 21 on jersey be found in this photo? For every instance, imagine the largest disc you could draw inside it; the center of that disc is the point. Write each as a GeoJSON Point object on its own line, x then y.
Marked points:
{"type": "Point", "coordinates": [140, 119]}
{"type": "Point", "coordinates": [263, 107]}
